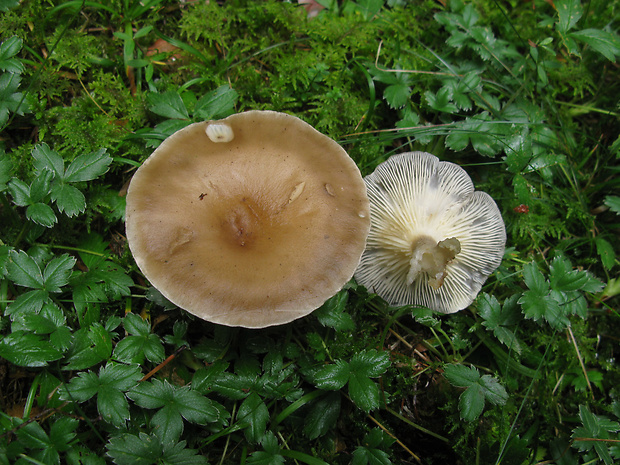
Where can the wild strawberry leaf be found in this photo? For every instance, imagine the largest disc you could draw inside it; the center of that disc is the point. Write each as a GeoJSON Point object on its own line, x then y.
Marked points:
{"type": "Point", "coordinates": [501, 320]}
{"type": "Point", "coordinates": [88, 166]}
{"type": "Point", "coordinates": [593, 433]}
{"type": "Point", "coordinates": [28, 350]}
{"type": "Point", "coordinates": [169, 105]}
{"type": "Point", "coordinates": [144, 449]}
{"type": "Point", "coordinates": [47, 159]}
{"type": "Point", "coordinates": [69, 199]}
{"type": "Point", "coordinates": [254, 414]}
{"type": "Point", "coordinates": [174, 404]}
{"type": "Point", "coordinates": [24, 271]}
{"type": "Point", "coordinates": [478, 389]}
{"type": "Point", "coordinates": [8, 49]}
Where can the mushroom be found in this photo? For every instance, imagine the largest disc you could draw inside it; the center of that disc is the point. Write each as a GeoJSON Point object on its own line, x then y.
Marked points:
{"type": "Point", "coordinates": [433, 240]}
{"type": "Point", "coordinates": [254, 220]}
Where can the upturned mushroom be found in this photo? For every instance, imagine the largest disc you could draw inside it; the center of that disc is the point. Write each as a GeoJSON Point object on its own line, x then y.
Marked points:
{"type": "Point", "coordinates": [433, 240]}
{"type": "Point", "coordinates": [254, 220]}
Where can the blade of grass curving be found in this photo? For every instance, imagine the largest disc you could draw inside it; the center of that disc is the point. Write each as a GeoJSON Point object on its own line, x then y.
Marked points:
{"type": "Point", "coordinates": [303, 400]}
{"type": "Point", "coordinates": [302, 457]}
{"type": "Point", "coordinates": [182, 45]}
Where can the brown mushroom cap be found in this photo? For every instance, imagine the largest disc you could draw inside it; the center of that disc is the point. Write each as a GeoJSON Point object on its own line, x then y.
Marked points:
{"type": "Point", "coordinates": [253, 223]}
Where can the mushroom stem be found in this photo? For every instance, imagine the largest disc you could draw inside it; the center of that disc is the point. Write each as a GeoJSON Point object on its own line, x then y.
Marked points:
{"type": "Point", "coordinates": [431, 257]}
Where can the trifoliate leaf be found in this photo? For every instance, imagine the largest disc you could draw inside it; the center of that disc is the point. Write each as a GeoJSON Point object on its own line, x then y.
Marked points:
{"type": "Point", "coordinates": [593, 433]}
{"type": "Point", "coordinates": [128, 449]}
{"type": "Point", "coordinates": [478, 389]}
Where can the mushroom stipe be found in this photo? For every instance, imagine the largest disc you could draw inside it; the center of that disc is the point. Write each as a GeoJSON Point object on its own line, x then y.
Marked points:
{"type": "Point", "coordinates": [254, 220]}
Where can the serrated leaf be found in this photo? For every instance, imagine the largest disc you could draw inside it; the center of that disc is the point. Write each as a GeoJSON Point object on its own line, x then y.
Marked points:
{"type": "Point", "coordinates": [534, 280]}
{"type": "Point", "coordinates": [81, 388]}
{"type": "Point", "coordinates": [332, 313]}
{"type": "Point", "coordinates": [41, 214]}
{"type": "Point", "coordinates": [322, 416]}
{"type": "Point", "coordinates": [24, 271]}
{"type": "Point", "coordinates": [593, 434]}
{"type": "Point", "coordinates": [31, 302]}
{"type": "Point", "coordinates": [128, 449]}
{"type": "Point", "coordinates": [47, 159]}
{"type": "Point", "coordinates": [613, 202]}
{"type": "Point", "coordinates": [69, 199]}
{"type": "Point", "coordinates": [501, 320]}
{"type": "Point", "coordinates": [90, 347]}
{"type": "Point", "coordinates": [606, 43]}
{"type": "Point", "coordinates": [606, 251]}
{"type": "Point", "coordinates": [569, 13]}
{"type": "Point", "coordinates": [441, 101]}
{"type": "Point", "coordinates": [216, 104]}
{"type": "Point", "coordinates": [364, 392]}
{"type": "Point", "coordinates": [169, 104]}
{"type": "Point", "coordinates": [397, 95]}
{"type": "Point", "coordinates": [254, 413]}
{"type": "Point", "coordinates": [57, 272]}
{"type": "Point", "coordinates": [332, 377]}
{"type": "Point", "coordinates": [28, 350]}
{"type": "Point", "coordinates": [536, 307]}
{"type": "Point", "coordinates": [88, 166]}
{"type": "Point", "coordinates": [8, 49]}
{"type": "Point", "coordinates": [478, 390]}
{"type": "Point", "coordinates": [370, 363]}
{"type": "Point", "coordinates": [564, 278]}
{"type": "Point", "coordinates": [20, 191]}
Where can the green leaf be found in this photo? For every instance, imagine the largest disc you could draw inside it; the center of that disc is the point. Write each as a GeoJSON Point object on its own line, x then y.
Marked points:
{"type": "Point", "coordinates": [501, 320]}
{"type": "Point", "coordinates": [20, 191]}
{"type": "Point", "coordinates": [141, 344]}
{"type": "Point", "coordinates": [28, 350]}
{"type": "Point", "coordinates": [569, 13]}
{"type": "Point", "coordinates": [24, 271]}
{"type": "Point", "coordinates": [370, 452]}
{"type": "Point", "coordinates": [5, 170]}
{"type": "Point", "coordinates": [88, 166]}
{"type": "Point", "coordinates": [606, 251]}
{"type": "Point", "coordinates": [57, 272]}
{"type": "Point", "coordinates": [370, 363]}
{"type": "Point", "coordinates": [441, 101]}
{"type": "Point", "coordinates": [169, 105]}
{"type": "Point", "coordinates": [47, 159]}
{"type": "Point", "coordinates": [606, 43]}
{"type": "Point", "coordinates": [175, 403]}
{"type": "Point", "coordinates": [8, 49]}
{"type": "Point", "coordinates": [90, 346]}
{"type": "Point", "coordinates": [271, 455]}
{"type": "Point", "coordinates": [128, 449]}
{"type": "Point", "coordinates": [364, 392]}
{"type": "Point", "coordinates": [69, 200]}
{"type": "Point", "coordinates": [563, 278]}
{"type": "Point", "coordinates": [593, 433]}
{"type": "Point", "coordinates": [332, 377]}
{"type": "Point", "coordinates": [216, 104]}
{"type": "Point", "coordinates": [322, 416]}
{"type": "Point", "coordinates": [41, 214]}
{"type": "Point", "coordinates": [11, 101]}
{"type": "Point", "coordinates": [333, 315]}
{"type": "Point", "coordinates": [254, 413]}
{"type": "Point", "coordinates": [478, 389]}
{"type": "Point", "coordinates": [613, 202]}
